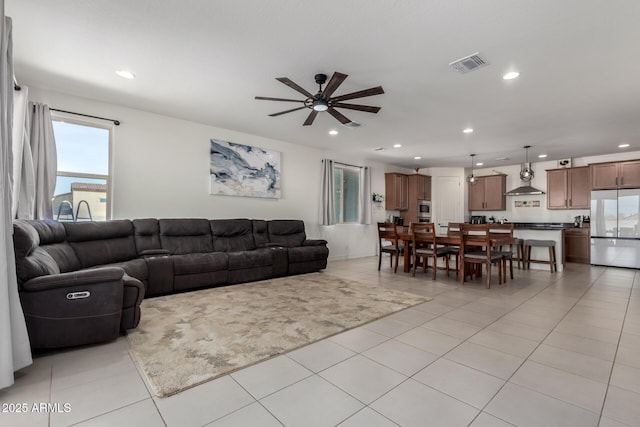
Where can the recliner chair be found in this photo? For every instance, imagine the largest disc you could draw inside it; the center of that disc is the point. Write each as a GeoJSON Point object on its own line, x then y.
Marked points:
{"type": "Point", "coordinates": [79, 306]}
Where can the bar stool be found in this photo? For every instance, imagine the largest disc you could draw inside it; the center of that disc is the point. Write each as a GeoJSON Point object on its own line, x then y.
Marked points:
{"type": "Point", "coordinates": [519, 245]}
{"type": "Point", "coordinates": [531, 243]}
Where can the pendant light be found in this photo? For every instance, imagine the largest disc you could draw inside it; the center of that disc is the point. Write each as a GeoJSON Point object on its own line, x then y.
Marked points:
{"type": "Point", "coordinates": [471, 179]}
{"type": "Point", "coordinates": [526, 173]}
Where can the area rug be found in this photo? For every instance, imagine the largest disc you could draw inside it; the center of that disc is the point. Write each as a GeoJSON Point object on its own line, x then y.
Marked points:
{"type": "Point", "coordinates": [187, 339]}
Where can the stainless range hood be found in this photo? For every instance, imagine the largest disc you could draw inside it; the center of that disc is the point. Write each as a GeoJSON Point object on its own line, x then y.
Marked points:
{"type": "Point", "coordinates": [525, 190]}
{"type": "Point", "coordinates": [526, 175]}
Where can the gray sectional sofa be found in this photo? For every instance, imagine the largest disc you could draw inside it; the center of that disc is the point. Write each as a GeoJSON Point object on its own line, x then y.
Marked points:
{"type": "Point", "coordinates": [83, 282]}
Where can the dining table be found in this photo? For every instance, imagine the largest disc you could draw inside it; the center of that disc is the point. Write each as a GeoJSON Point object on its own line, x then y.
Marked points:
{"type": "Point", "coordinates": [450, 240]}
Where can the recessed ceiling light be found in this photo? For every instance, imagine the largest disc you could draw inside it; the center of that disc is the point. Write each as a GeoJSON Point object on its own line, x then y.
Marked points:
{"type": "Point", "coordinates": [542, 156]}
{"type": "Point", "coordinates": [333, 132]}
{"type": "Point", "coordinates": [397, 145]}
{"type": "Point", "coordinates": [479, 164]}
{"type": "Point", "coordinates": [511, 75]}
{"type": "Point", "coordinates": [417, 158]}
{"type": "Point", "coordinates": [378, 149]}
{"type": "Point", "coordinates": [126, 74]}
{"type": "Point", "coordinates": [623, 145]}
{"type": "Point", "coordinates": [468, 130]}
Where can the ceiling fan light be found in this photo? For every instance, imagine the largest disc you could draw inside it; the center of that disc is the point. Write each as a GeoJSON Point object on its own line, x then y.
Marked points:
{"type": "Point", "coordinates": [320, 105]}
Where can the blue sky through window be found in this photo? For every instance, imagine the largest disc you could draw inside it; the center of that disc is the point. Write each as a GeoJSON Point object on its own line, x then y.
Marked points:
{"type": "Point", "coordinates": [81, 149]}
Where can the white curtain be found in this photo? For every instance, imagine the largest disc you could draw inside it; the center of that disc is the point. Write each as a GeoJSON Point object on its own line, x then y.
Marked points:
{"type": "Point", "coordinates": [365, 195]}
{"type": "Point", "coordinates": [327, 202]}
{"type": "Point", "coordinates": [24, 187]}
{"type": "Point", "coordinates": [14, 341]}
{"type": "Point", "coordinates": [44, 161]}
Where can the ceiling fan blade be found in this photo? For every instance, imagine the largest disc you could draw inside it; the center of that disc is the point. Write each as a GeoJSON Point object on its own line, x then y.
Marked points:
{"type": "Point", "coordinates": [367, 108]}
{"type": "Point", "coordinates": [266, 98]}
{"type": "Point", "coordinates": [310, 118]}
{"type": "Point", "coordinates": [336, 80]}
{"type": "Point", "coordinates": [359, 94]}
{"type": "Point", "coordinates": [287, 111]}
{"type": "Point", "coordinates": [335, 113]}
{"type": "Point", "coordinates": [294, 86]}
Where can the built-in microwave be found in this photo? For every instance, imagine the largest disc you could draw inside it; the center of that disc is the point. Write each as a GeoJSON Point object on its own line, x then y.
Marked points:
{"type": "Point", "coordinates": [424, 209]}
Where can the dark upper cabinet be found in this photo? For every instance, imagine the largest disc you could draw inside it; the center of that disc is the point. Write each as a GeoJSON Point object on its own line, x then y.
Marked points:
{"type": "Point", "coordinates": [568, 188]}
{"type": "Point", "coordinates": [487, 193]}
{"type": "Point", "coordinates": [612, 175]}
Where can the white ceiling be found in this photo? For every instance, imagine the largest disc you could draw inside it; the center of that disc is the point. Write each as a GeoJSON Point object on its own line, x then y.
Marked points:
{"type": "Point", "coordinates": [578, 93]}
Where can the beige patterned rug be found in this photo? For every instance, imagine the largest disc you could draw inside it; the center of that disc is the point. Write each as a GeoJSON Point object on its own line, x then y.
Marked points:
{"type": "Point", "coordinates": [187, 339]}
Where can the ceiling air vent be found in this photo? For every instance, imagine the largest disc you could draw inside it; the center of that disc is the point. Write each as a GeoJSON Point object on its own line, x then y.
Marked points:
{"type": "Point", "coordinates": [469, 63]}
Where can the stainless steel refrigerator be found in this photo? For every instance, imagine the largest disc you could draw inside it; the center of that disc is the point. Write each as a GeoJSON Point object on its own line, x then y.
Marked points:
{"type": "Point", "coordinates": [615, 228]}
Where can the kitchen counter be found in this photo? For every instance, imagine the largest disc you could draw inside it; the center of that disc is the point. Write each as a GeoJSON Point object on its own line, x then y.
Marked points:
{"type": "Point", "coordinates": [542, 225]}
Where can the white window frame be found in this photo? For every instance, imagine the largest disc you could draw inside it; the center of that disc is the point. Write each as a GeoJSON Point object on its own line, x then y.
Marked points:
{"type": "Point", "coordinates": [69, 118]}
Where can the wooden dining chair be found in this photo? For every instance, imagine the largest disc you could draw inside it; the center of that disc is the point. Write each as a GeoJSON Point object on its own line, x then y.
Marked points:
{"type": "Point", "coordinates": [389, 242]}
{"type": "Point", "coordinates": [425, 247]}
{"type": "Point", "coordinates": [453, 229]}
{"type": "Point", "coordinates": [476, 237]}
{"type": "Point", "coordinates": [504, 230]}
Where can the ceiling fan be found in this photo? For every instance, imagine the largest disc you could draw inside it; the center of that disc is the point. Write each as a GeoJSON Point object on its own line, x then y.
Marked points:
{"type": "Point", "coordinates": [323, 101]}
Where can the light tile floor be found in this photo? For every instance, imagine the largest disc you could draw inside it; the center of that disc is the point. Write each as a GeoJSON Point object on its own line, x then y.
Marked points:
{"type": "Point", "coordinates": [545, 349]}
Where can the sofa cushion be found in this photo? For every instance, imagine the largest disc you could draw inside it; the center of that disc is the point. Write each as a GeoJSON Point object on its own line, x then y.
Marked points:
{"type": "Point", "coordinates": [260, 232]}
{"type": "Point", "coordinates": [232, 235]}
{"type": "Point", "coordinates": [307, 254]}
{"type": "Point", "coordinates": [286, 232]}
{"type": "Point", "coordinates": [250, 259]}
{"type": "Point", "coordinates": [200, 263]}
{"type": "Point", "coordinates": [41, 249]}
{"type": "Point", "coordinates": [185, 236]}
{"type": "Point", "coordinates": [136, 268]}
{"type": "Point", "coordinates": [146, 234]}
{"type": "Point", "coordinates": [99, 243]}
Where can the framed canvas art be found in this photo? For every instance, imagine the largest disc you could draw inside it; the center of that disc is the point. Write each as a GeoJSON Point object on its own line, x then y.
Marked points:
{"type": "Point", "coordinates": [243, 170]}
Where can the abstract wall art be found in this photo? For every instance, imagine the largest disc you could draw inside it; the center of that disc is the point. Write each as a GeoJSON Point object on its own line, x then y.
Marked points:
{"type": "Point", "coordinates": [243, 170]}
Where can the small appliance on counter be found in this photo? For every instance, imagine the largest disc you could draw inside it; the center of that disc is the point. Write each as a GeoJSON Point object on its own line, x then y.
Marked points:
{"type": "Point", "coordinates": [398, 220]}
{"type": "Point", "coordinates": [577, 221]}
{"type": "Point", "coordinates": [478, 219]}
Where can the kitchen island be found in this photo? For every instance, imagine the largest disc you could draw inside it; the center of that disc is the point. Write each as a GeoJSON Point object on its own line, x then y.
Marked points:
{"type": "Point", "coordinates": [543, 231]}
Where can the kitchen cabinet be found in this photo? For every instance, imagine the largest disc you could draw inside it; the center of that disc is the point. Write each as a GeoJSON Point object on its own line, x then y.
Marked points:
{"type": "Point", "coordinates": [487, 193]}
{"type": "Point", "coordinates": [577, 245]}
{"type": "Point", "coordinates": [419, 189]}
{"type": "Point", "coordinates": [615, 175]}
{"type": "Point", "coordinates": [568, 188]}
{"type": "Point", "coordinates": [396, 191]}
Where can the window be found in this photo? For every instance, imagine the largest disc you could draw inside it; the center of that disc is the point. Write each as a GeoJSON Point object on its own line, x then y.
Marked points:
{"type": "Point", "coordinates": [82, 186]}
{"type": "Point", "coordinates": [347, 193]}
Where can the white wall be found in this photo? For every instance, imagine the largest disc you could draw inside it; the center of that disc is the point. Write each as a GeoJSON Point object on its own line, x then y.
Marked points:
{"type": "Point", "coordinates": [160, 169]}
